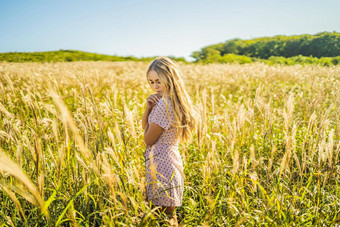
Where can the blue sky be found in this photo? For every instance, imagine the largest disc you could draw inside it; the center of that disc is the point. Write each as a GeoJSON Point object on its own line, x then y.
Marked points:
{"type": "Point", "coordinates": [153, 28]}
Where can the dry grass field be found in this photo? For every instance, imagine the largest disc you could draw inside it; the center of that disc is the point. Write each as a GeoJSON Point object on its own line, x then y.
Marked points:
{"type": "Point", "coordinates": [266, 151]}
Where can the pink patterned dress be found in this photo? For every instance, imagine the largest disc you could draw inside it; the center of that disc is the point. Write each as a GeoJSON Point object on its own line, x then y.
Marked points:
{"type": "Point", "coordinates": [164, 167]}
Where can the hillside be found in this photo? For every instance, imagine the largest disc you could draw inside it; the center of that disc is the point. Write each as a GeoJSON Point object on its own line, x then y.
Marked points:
{"type": "Point", "coordinates": [68, 56]}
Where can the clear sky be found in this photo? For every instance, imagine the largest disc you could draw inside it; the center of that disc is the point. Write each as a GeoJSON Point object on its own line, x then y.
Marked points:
{"type": "Point", "coordinates": [154, 28]}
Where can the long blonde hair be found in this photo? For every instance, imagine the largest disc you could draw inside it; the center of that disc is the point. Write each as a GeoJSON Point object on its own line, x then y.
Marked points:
{"type": "Point", "coordinates": [171, 78]}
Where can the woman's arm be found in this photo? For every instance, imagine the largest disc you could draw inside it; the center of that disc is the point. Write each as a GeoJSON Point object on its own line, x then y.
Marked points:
{"type": "Point", "coordinates": [145, 118]}
{"type": "Point", "coordinates": [158, 123]}
{"type": "Point", "coordinates": [151, 133]}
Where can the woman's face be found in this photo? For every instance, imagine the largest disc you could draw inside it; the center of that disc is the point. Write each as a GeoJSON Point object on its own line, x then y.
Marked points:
{"type": "Point", "coordinates": [155, 83]}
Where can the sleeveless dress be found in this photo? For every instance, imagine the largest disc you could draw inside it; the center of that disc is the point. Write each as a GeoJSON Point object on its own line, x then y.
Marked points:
{"type": "Point", "coordinates": [163, 163]}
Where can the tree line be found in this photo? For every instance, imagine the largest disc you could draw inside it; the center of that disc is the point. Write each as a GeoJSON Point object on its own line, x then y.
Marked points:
{"type": "Point", "coordinates": [320, 45]}
{"type": "Point", "coordinates": [322, 48]}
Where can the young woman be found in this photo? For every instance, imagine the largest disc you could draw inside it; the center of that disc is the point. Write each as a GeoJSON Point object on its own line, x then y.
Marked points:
{"type": "Point", "coordinates": [168, 119]}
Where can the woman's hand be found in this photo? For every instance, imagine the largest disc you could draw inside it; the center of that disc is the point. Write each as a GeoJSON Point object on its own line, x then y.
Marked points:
{"type": "Point", "coordinates": [151, 101]}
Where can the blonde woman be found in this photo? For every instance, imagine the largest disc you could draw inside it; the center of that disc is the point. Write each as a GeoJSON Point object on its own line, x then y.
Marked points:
{"type": "Point", "coordinates": [168, 119]}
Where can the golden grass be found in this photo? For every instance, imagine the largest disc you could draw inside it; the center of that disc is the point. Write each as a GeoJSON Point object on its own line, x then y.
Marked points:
{"type": "Point", "coordinates": [266, 150]}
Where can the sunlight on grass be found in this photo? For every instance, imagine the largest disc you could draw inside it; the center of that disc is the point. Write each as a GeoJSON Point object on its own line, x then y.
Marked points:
{"type": "Point", "coordinates": [266, 150]}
